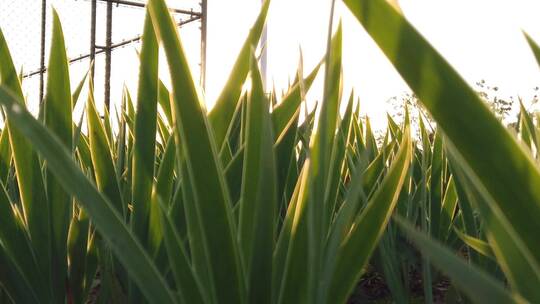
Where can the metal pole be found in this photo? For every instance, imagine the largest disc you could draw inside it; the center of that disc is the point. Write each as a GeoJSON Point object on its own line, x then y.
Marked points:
{"type": "Point", "coordinates": [264, 55]}
{"type": "Point", "coordinates": [204, 24]}
{"type": "Point", "coordinates": [42, 63]}
{"type": "Point", "coordinates": [108, 49]}
{"type": "Point", "coordinates": [143, 5]}
{"type": "Point", "coordinates": [93, 38]}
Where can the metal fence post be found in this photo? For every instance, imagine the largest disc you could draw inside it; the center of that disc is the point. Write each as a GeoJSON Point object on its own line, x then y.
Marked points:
{"type": "Point", "coordinates": [264, 55]}
{"type": "Point", "coordinates": [108, 53]}
{"type": "Point", "coordinates": [42, 53]}
{"type": "Point", "coordinates": [204, 24]}
{"type": "Point", "coordinates": [93, 38]}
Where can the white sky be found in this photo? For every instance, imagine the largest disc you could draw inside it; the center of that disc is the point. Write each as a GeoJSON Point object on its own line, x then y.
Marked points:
{"type": "Point", "coordinates": [481, 38]}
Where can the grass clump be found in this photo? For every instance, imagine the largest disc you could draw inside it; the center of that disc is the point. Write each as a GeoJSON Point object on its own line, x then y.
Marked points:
{"type": "Point", "coordinates": [249, 204]}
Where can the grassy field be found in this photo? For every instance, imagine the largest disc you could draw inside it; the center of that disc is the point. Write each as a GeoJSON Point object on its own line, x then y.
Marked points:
{"type": "Point", "coordinates": [258, 202]}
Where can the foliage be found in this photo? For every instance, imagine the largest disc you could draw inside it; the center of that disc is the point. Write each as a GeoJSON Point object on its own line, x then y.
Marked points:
{"type": "Point", "coordinates": [245, 204]}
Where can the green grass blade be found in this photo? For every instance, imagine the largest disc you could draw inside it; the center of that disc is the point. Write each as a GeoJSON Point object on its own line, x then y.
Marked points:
{"type": "Point", "coordinates": [163, 128]}
{"type": "Point", "coordinates": [259, 198]}
{"type": "Point", "coordinates": [534, 47]}
{"type": "Point", "coordinates": [57, 107]}
{"type": "Point", "coordinates": [17, 248]}
{"type": "Point", "coordinates": [479, 287]}
{"type": "Point", "coordinates": [8, 74]}
{"type": "Point", "coordinates": [343, 220]}
{"type": "Point", "coordinates": [145, 131]}
{"type": "Point", "coordinates": [320, 155]}
{"type": "Point", "coordinates": [450, 202]}
{"type": "Point", "coordinates": [337, 161]}
{"type": "Point", "coordinates": [194, 136]}
{"type": "Point", "coordinates": [78, 89]}
{"type": "Point", "coordinates": [163, 191]}
{"type": "Point", "coordinates": [513, 255]}
{"type": "Point", "coordinates": [77, 250]}
{"type": "Point", "coordinates": [5, 155]}
{"type": "Point", "coordinates": [286, 109]}
{"type": "Point", "coordinates": [477, 244]}
{"type": "Point", "coordinates": [467, 217]}
{"type": "Point", "coordinates": [221, 115]}
{"type": "Point", "coordinates": [195, 235]}
{"type": "Point", "coordinates": [372, 174]}
{"type": "Point", "coordinates": [436, 184]}
{"type": "Point", "coordinates": [527, 127]}
{"type": "Point", "coordinates": [371, 144]}
{"type": "Point", "coordinates": [233, 174]}
{"type": "Point", "coordinates": [290, 260]}
{"type": "Point", "coordinates": [186, 282]}
{"type": "Point", "coordinates": [285, 154]}
{"type": "Point", "coordinates": [185, 277]}
{"type": "Point", "coordinates": [16, 285]}
{"type": "Point", "coordinates": [28, 171]}
{"type": "Point", "coordinates": [424, 204]}
{"type": "Point", "coordinates": [102, 159]}
{"type": "Point", "coordinates": [164, 101]}
{"type": "Point", "coordinates": [282, 244]}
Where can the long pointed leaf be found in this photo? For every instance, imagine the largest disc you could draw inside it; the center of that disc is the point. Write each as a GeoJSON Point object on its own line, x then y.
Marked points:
{"type": "Point", "coordinates": [194, 136]}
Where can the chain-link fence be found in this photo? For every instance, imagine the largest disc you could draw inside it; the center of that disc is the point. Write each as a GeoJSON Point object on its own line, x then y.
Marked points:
{"type": "Point", "coordinates": [117, 26]}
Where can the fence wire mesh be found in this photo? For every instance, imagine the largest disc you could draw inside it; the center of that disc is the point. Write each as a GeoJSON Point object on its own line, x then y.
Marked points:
{"type": "Point", "coordinates": [21, 24]}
